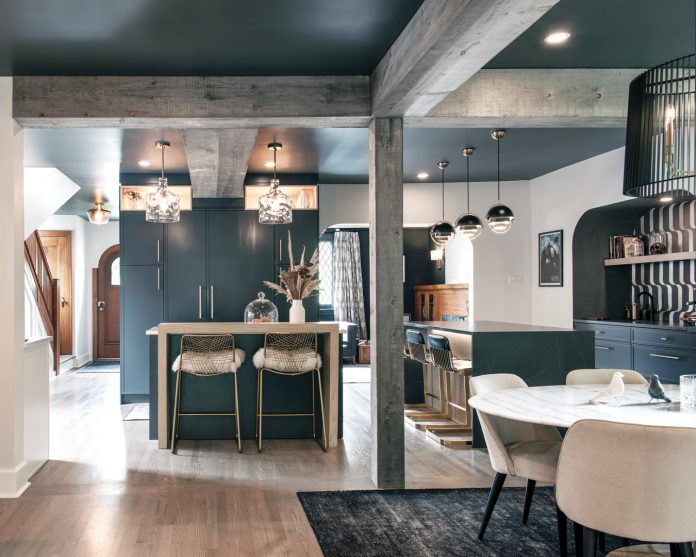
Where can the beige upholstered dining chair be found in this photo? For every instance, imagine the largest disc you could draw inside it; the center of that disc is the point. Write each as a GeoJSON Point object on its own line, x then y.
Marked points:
{"type": "Point", "coordinates": [632, 481]}
{"type": "Point", "coordinates": [517, 449]}
{"type": "Point", "coordinates": [206, 356]}
{"type": "Point", "coordinates": [603, 377]}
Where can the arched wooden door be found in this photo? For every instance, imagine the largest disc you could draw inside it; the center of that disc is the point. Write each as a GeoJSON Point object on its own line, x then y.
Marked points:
{"type": "Point", "coordinates": [107, 322]}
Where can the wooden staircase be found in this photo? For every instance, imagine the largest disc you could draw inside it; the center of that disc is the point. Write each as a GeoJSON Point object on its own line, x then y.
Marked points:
{"type": "Point", "coordinates": [46, 291]}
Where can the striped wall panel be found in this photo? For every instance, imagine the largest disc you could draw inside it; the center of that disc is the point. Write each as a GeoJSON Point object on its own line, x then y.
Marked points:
{"type": "Point", "coordinates": [671, 283]}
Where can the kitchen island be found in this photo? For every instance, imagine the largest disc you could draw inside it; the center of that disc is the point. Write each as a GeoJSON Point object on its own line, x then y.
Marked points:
{"type": "Point", "coordinates": [539, 355]}
{"type": "Point", "coordinates": [286, 394]}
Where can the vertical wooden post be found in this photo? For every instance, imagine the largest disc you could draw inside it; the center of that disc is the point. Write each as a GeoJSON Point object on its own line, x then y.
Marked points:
{"type": "Point", "coordinates": [386, 293]}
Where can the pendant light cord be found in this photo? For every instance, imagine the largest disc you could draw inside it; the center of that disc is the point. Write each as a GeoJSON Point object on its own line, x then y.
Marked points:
{"type": "Point", "coordinates": [443, 192]}
{"type": "Point", "coordinates": [467, 184]}
{"type": "Point", "coordinates": [498, 142]}
{"type": "Point", "coordinates": [163, 160]}
{"type": "Point", "coordinates": [275, 151]}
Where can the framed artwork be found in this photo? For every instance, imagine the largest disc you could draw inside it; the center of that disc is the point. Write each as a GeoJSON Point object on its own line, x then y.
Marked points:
{"type": "Point", "coordinates": [551, 258]}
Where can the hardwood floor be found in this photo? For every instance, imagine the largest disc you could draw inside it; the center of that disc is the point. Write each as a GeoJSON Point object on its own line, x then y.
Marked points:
{"type": "Point", "coordinates": [108, 490]}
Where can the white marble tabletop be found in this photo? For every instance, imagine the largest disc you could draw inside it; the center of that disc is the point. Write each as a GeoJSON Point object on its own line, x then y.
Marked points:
{"type": "Point", "coordinates": [562, 406]}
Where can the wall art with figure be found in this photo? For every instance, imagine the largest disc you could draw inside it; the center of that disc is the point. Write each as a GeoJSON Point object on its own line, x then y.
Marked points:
{"type": "Point", "coordinates": [551, 258]}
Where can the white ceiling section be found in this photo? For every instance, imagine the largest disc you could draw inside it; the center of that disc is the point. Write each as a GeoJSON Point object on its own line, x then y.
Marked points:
{"type": "Point", "coordinates": [45, 191]}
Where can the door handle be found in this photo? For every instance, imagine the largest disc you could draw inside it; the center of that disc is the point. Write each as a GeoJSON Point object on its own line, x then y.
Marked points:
{"type": "Point", "coordinates": [280, 251]}
{"type": "Point", "coordinates": [200, 302]}
{"type": "Point", "coordinates": [158, 279]}
{"type": "Point", "coordinates": [101, 306]}
{"type": "Point", "coordinates": [158, 252]}
{"type": "Point", "coordinates": [212, 302]}
{"type": "Point", "coordinates": [665, 356]}
{"type": "Point", "coordinates": [602, 347]}
{"type": "Point", "coordinates": [63, 303]}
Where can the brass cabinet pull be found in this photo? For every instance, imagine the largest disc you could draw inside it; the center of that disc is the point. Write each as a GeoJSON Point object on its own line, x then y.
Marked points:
{"type": "Point", "coordinates": [603, 347]}
{"type": "Point", "coordinates": [158, 278]}
{"type": "Point", "coordinates": [212, 302]}
{"type": "Point", "coordinates": [280, 252]}
{"type": "Point", "coordinates": [158, 252]}
{"type": "Point", "coordinates": [665, 356]}
{"type": "Point", "coordinates": [200, 302]}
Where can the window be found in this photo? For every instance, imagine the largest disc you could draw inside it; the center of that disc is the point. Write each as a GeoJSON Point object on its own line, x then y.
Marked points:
{"type": "Point", "coordinates": [326, 272]}
{"type": "Point", "coordinates": [116, 272]}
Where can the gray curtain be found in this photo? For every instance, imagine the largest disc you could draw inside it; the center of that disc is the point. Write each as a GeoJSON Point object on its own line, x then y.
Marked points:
{"type": "Point", "coordinates": [347, 279]}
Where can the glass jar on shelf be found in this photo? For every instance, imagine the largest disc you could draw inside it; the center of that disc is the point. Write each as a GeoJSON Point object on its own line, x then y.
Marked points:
{"type": "Point", "coordinates": [261, 310]}
{"type": "Point", "coordinates": [657, 242]}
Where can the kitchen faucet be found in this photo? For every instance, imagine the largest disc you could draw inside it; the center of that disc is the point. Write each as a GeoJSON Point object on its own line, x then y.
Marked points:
{"type": "Point", "coordinates": [650, 311]}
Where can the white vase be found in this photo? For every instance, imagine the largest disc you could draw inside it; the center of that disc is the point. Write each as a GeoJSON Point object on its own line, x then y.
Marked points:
{"type": "Point", "coordinates": [297, 314]}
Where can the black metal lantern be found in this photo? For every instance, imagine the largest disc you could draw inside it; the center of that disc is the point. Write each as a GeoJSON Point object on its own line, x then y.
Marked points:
{"type": "Point", "coordinates": [660, 135]}
{"type": "Point", "coordinates": [468, 224]}
{"type": "Point", "coordinates": [499, 216]}
{"type": "Point", "coordinates": [442, 231]}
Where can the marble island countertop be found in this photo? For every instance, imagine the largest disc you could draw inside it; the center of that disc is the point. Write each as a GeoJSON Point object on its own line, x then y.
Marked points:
{"type": "Point", "coordinates": [470, 327]}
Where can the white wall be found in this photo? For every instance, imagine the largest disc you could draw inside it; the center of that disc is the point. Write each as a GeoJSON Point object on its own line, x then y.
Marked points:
{"type": "Point", "coordinates": [88, 243]}
{"type": "Point", "coordinates": [502, 268]}
{"type": "Point", "coordinates": [558, 200]}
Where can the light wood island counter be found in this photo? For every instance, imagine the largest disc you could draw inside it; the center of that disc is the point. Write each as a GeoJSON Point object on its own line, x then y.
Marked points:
{"type": "Point", "coordinates": [330, 363]}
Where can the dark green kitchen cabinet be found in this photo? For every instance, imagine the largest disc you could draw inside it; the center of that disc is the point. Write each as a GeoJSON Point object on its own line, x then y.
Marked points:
{"type": "Point", "coordinates": [304, 230]}
{"type": "Point", "coordinates": [142, 242]}
{"type": "Point", "coordinates": [142, 307]}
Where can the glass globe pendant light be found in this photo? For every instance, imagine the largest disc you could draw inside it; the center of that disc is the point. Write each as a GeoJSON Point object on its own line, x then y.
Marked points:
{"type": "Point", "coordinates": [442, 231]}
{"type": "Point", "coordinates": [468, 225]}
{"type": "Point", "coordinates": [275, 207]}
{"type": "Point", "coordinates": [499, 217]}
{"type": "Point", "coordinates": [98, 215]}
{"type": "Point", "coordinates": [162, 205]}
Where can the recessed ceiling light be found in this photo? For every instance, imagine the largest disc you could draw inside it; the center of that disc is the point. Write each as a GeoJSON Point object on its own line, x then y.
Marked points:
{"type": "Point", "coordinates": [144, 163]}
{"type": "Point", "coordinates": [269, 164]}
{"type": "Point", "coordinates": [665, 199]}
{"type": "Point", "coordinates": [422, 175]}
{"type": "Point", "coordinates": [559, 37]}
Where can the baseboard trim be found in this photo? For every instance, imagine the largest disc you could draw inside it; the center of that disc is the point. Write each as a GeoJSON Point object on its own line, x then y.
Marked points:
{"type": "Point", "coordinates": [132, 398]}
{"type": "Point", "coordinates": [82, 360]}
{"type": "Point", "coordinates": [15, 481]}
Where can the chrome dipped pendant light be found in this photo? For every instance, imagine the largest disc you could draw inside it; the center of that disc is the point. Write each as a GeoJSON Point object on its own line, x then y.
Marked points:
{"type": "Point", "coordinates": [499, 216]}
{"type": "Point", "coordinates": [275, 207]}
{"type": "Point", "coordinates": [660, 156]}
{"type": "Point", "coordinates": [442, 231]}
{"type": "Point", "coordinates": [468, 225]}
{"type": "Point", "coordinates": [162, 205]}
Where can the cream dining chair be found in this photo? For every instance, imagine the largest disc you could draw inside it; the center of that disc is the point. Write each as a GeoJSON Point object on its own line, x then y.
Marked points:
{"type": "Point", "coordinates": [517, 449]}
{"type": "Point", "coordinates": [601, 376]}
{"type": "Point", "coordinates": [631, 481]}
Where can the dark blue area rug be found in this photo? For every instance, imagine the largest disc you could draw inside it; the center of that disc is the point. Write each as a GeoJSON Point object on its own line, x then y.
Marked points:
{"type": "Point", "coordinates": [434, 523]}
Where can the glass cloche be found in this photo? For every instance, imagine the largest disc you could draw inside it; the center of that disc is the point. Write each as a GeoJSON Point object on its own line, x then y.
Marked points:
{"type": "Point", "coordinates": [261, 310]}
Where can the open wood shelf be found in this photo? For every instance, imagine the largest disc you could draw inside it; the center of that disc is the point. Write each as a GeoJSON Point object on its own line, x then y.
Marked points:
{"type": "Point", "coordinates": [679, 256]}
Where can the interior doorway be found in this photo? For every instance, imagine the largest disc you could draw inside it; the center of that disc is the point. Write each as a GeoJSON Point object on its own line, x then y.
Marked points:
{"type": "Point", "coordinates": [58, 247]}
{"type": "Point", "coordinates": [106, 322]}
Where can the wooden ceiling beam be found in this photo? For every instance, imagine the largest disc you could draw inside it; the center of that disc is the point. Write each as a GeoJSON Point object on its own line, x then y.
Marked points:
{"type": "Point", "coordinates": [446, 43]}
{"type": "Point", "coordinates": [555, 98]}
{"type": "Point", "coordinates": [191, 102]}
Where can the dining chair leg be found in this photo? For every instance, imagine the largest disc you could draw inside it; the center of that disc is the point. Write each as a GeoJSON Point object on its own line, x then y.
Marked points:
{"type": "Point", "coordinates": [260, 407]}
{"type": "Point", "coordinates": [256, 419]}
{"type": "Point", "coordinates": [577, 535]}
{"type": "Point", "coordinates": [324, 432]}
{"type": "Point", "coordinates": [562, 522]}
{"type": "Point", "coordinates": [498, 482]}
{"type": "Point", "coordinates": [236, 413]}
{"type": "Point", "coordinates": [602, 541]}
{"type": "Point", "coordinates": [314, 418]}
{"type": "Point", "coordinates": [589, 542]}
{"type": "Point", "coordinates": [175, 413]}
{"type": "Point", "coordinates": [531, 484]}
{"type": "Point", "coordinates": [681, 549]}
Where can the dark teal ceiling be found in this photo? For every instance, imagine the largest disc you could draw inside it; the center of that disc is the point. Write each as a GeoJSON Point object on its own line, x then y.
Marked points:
{"type": "Point", "coordinates": [209, 37]}
{"type": "Point", "coordinates": [606, 34]}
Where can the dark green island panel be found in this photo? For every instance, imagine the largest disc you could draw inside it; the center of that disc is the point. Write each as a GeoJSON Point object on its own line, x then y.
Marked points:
{"type": "Point", "coordinates": [539, 355]}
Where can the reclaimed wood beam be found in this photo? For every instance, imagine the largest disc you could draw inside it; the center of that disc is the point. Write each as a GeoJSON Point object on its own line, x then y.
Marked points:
{"type": "Point", "coordinates": [557, 98]}
{"type": "Point", "coordinates": [191, 102]}
{"type": "Point", "coordinates": [386, 144]}
{"type": "Point", "coordinates": [446, 43]}
{"type": "Point", "coordinates": [218, 160]}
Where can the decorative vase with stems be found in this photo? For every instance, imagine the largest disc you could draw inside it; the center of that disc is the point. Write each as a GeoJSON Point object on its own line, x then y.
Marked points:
{"type": "Point", "coordinates": [297, 282]}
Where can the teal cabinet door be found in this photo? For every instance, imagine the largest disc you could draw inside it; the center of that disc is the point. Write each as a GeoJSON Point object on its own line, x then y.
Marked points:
{"type": "Point", "coordinates": [187, 289]}
{"type": "Point", "coordinates": [240, 258]}
{"type": "Point", "coordinates": [142, 242]}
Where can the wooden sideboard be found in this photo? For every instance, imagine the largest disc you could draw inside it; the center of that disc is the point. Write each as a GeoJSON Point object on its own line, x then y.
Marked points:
{"type": "Point", "coordinates": [440, 302]}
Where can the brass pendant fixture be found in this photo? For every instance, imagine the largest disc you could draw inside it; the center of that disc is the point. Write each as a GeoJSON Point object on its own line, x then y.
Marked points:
{"type": "Point", "coordinates": [162, 205]}
{"type": "Point", "coordinates": [275, 207]}
{"type": "Point", "coordinates": [98, 215]}
{"type": "Point", "coordinates": [499, 216]}
{"type": "Point", "coordinates": [442, 231]}
{"type": "Point", "coordinates": [468, 225]}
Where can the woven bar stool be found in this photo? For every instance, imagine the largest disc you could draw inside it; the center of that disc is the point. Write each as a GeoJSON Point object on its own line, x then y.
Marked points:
{"type": "Point", "coordinates": [206, 356]}
{"type": "Point", "coordinates": [289, 354]}
{"type": "Point", "coordinates": [441, 355]}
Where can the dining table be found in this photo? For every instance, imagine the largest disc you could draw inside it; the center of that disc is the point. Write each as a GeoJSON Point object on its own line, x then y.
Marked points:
{"type": "Point", "coordinates": [563, 405]}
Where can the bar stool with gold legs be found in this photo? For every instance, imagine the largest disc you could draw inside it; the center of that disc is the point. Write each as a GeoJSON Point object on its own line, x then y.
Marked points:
{"type": "Point", "coordinates": [289, 355]}
{"type": "Point", "coordinates": [452, 434]}
{"type": "Point", "coordinates": [206, 356]}
{"type": "Point", "coordinates": [422, 416]}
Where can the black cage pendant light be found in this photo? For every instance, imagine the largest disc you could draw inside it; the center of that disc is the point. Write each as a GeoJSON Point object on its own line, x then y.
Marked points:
{"type": "Point", "coordinates": [468, 225]}
{"type": "Point", "coordinates": [442, 231]}
{"type": "Point", "coordinates": [660, 132]}
{"type": "Point", "coordinates": [499, 217]}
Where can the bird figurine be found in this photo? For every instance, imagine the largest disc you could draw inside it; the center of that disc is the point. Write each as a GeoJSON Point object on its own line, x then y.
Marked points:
{"type": "Point", "coordinates": [656, 390]}
{"type": "Point", "coordinates": [615, 388]}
